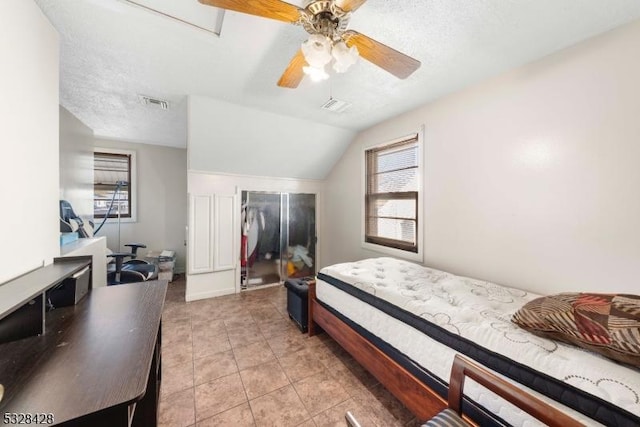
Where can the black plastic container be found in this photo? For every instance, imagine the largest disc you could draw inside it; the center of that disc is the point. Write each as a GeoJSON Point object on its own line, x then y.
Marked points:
{"type": "Point", "coordinates": [297, 302]}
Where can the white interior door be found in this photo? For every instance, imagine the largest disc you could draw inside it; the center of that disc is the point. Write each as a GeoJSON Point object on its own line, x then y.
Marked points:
{"type": "Point", "coordinates": [201, 234]}
{"type": "Point", "coordinates": [224, 220]}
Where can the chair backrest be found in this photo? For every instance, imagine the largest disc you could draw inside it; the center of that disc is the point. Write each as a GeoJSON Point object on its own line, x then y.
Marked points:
{"type": "Point", "coordinates": [544, 412]}
{"type": "Point", "coordinates": [66, 211]}
{"type": "Point", "coordinates": [69, 221]}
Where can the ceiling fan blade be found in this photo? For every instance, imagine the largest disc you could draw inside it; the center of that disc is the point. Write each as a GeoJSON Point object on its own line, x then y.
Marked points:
{"type": "Point", "coordinates": [273, 9]}
{"type": "Point", "coordinates": [397, 63]}
{"type": "Point", "coordinates": [349, 5]}
{"type": "Point", "coordinates": [293, 75]}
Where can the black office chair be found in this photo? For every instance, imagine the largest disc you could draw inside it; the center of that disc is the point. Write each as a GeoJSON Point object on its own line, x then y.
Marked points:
{"type": "Point", "coordinates": [132, 270]}
{"type": "Point", "coordinates": [129, 271]}
{"type": "Point", "coordinates": [70, 222]}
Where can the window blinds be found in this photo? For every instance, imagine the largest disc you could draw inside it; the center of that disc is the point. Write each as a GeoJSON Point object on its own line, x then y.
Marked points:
{"type": "Point", "coordinates": [391, 200]}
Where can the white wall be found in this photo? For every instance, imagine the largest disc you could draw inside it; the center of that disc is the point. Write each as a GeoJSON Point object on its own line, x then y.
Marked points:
{"type": "Point", "coordinates": [161, 204]}
{"type": "Point", "coordinates": [228, 138]}
{"type": "Point", "coordinates": [29, 139]}
{"type": "Point", "coordinates": [233, 148]}
{"type": "Point", "coordinates": [227, 282]}
{"type": "Point", "coordinates": [531, 178]}
{"type": "Point", "coordinates": [76, 164]}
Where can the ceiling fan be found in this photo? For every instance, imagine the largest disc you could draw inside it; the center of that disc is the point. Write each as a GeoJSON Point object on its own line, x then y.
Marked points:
{"type": "Point", "coordinates": [326, 21]}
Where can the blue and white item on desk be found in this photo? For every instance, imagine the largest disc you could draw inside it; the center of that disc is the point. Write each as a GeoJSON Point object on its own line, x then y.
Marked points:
{"type": "Point", "coordinates": [66, 238]}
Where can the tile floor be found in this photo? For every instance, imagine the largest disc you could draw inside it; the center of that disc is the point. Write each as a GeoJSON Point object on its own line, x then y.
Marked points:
{"type": "Point", "coordinates": [239, 361]}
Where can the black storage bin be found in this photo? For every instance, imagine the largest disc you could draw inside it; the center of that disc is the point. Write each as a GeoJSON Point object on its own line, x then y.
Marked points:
{"type": "Point", "coordinates": [297, 293]}
{"type": "Point", "coordinates": [70, 290]}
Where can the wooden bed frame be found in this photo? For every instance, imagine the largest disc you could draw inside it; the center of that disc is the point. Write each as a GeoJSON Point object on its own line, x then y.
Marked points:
{"type": "Point", "coordinates": [421, 400]}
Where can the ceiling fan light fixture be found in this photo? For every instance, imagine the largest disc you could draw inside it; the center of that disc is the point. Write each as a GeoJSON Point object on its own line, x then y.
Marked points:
{"type": "Point", "coordinates": [344, 56]}
{"type": "Point", "coordinates": [317, 51]}
{"type": "Point", "coordinates": [327, 23]}
{"type": "Point", "coordinates": [317, 74]}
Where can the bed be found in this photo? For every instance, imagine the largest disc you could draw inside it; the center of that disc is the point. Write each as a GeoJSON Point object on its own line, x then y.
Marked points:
{"type": "Point", "coordinates": [405, 323]}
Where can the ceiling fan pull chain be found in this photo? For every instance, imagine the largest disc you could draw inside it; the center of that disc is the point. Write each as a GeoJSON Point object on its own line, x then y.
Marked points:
{"type": "Point", "coordinates": [330, 90]}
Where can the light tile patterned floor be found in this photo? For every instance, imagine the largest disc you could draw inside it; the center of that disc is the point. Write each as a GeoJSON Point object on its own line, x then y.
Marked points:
{"type": "Point", "coordinates": [240, 361]}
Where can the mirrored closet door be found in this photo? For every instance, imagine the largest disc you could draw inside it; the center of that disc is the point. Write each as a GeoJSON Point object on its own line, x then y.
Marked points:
{"type": "Point", "coordinates": [277, 237]}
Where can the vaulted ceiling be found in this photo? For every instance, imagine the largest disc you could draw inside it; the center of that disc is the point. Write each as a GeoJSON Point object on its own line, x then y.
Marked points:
{"type": "Point", "coordinates": [113, 51]}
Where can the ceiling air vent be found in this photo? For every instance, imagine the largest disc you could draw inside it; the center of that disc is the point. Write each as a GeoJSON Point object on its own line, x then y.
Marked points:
{"type": "Point", "coordinates": [154, 102]}
{"type": "Point", "coordinates": [335, 105]}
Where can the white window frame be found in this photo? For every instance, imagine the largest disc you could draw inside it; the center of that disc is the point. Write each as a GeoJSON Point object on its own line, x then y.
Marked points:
{"type": "Point", "coordinates": [133, 184]}
{"type": "Point", "coordinates": [385, 250]}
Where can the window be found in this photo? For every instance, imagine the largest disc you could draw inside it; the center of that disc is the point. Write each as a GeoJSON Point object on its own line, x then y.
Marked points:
{"type": "Point", "coordinates": [113, 180]}
{"type": "Point", "coordinates": [391, 197]}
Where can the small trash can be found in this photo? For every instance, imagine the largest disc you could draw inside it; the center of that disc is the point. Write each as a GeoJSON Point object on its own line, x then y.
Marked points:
{"type": "Point", "coordinates": [297, 294]}
{"type": "Point", "coordinates": [166, 262]}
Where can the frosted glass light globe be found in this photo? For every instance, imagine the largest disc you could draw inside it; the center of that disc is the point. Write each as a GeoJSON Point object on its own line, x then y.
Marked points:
{"type": "Point", "coordinates": [317, 51]}
{"type": "Point", "coordinates": [344, 56]}
{"type": "Point", "coordinates": [316, 74]}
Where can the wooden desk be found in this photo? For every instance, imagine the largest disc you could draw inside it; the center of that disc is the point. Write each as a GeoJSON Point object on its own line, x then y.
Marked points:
{"type": "Point", "coordinates": [22, 300]}
{"type": "Point", "coordinates": [96, 247]}
{"type": "Point", "coordinates": [19, 291]}
{"type": "Point", "coordinates": [98, 363]}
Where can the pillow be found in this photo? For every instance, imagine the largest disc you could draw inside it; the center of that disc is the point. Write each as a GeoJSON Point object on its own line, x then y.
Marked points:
{"type": "Point", "coordinates": [608, 324]}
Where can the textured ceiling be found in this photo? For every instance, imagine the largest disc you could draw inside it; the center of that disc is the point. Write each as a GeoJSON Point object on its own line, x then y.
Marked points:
{"type": "Point", "coordinates": [112, 51]}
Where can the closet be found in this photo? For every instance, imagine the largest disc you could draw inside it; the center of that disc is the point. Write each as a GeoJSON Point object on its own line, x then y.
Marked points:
{"type": "Point", "coordinates": [277, 237]}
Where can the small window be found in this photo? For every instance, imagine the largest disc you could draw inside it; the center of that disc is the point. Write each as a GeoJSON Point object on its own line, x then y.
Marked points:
{"type": "Point", "coordinates": [112, 183]}
{"type": "Point", "coordinates": [391, 199]}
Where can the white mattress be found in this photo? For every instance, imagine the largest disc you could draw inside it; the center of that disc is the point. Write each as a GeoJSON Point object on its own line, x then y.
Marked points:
{"type": "Point", "coordinates": [479, 311]}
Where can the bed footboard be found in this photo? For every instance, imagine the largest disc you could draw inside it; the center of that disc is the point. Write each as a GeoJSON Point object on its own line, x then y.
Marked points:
{"type": "Point", "coordinates": [421, 400]}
